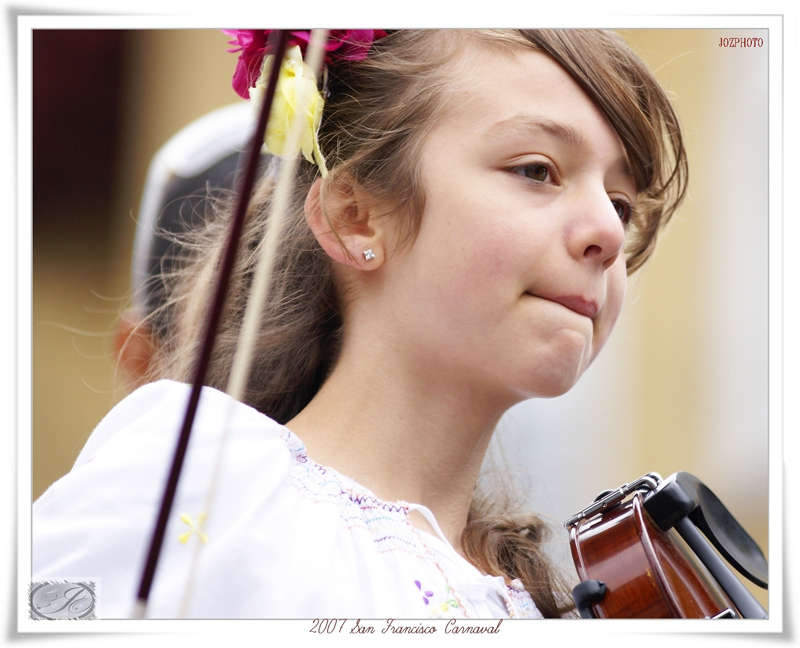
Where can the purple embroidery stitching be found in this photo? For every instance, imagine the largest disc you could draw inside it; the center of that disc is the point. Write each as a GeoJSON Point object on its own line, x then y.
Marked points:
{"type": "Point", "coordinates": [425, 594]}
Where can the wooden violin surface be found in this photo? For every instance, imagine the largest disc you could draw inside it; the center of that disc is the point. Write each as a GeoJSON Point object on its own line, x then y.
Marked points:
{"type": "Point", "coordinates": [648, 573]}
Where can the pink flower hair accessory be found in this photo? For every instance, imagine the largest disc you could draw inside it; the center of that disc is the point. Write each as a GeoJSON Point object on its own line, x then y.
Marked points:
{"type": "Point", "coordinates": [342, 45]}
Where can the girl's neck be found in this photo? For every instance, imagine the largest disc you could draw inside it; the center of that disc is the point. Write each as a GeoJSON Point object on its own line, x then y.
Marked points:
{"type": "Point", "coordinates": [403, 433]}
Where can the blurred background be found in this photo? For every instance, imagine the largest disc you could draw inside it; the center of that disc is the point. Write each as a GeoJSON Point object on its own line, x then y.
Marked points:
{"type": "Point", "coordinates": [682, 384]}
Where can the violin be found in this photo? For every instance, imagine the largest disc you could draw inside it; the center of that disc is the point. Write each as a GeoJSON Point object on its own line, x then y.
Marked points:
{"type": "Point", "coordinates": [661, 548]}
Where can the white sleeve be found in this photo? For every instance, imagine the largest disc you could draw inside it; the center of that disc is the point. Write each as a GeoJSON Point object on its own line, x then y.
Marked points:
{"type": "Point", "coordinates": [96, 522]}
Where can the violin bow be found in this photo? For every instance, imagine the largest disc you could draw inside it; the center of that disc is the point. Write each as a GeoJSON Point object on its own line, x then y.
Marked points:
{"type": "Point", "coordinates": [242, 360]}
{"type": "Point", "coordinates": [278, 47]}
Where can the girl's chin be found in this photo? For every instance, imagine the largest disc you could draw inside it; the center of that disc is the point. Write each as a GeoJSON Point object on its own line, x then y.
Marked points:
{"type": "Point", "coordinates": [561, 373]}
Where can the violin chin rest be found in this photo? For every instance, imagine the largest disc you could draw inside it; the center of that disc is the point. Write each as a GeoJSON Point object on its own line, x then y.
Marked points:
{"type": "Point", "coordinates": [682, 495]}
{"type": "Point", "coordinates": [729, 537]}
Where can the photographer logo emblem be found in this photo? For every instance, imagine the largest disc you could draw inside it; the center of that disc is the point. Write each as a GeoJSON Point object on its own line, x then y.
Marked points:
{"type": "Point", "coordinates": [63, 600]}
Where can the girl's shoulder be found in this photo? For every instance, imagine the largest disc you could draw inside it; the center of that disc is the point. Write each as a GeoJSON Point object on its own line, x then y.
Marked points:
{"type": "Point", "coordinates": [153, 415]}
{"type": "Point", "coordinates": [98, 519]}
{"type": "Point", "coordinates": [278, 534]}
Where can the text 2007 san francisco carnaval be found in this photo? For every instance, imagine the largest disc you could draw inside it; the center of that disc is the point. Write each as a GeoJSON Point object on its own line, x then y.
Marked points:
{"type": "Point", "coordinates": [390, 626]}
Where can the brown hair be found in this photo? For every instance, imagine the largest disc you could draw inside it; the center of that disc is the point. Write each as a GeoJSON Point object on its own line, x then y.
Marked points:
{"type": "Point", "coordinates": [375, 120]}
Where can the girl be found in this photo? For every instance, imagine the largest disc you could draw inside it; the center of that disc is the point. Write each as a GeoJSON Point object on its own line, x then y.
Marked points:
{"type": "Point", "coordinates": [458, 241]}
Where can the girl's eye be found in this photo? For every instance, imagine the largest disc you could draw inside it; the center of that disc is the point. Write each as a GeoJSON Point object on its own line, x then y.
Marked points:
{"type": "Point", "coordinates": [536, 172]}
{"type": "Point", "coordinates": [624, 210]}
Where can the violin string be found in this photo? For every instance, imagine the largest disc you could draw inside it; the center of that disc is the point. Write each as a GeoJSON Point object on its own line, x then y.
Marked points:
{"type": "Point", "coordinates": [211, 326]}
{"type": "Point", "coordinates": [259, 294]}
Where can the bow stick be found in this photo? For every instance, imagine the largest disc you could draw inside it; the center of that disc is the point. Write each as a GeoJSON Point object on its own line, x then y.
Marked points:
{"type": "Point", "coordinates": [212, 325]}
{"type": "Point", "coordinates": [242, 360]}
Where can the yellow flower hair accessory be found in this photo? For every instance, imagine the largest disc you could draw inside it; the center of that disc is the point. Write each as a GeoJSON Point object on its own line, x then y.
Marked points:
{"type": "Point", "coordinates": [296, 93]}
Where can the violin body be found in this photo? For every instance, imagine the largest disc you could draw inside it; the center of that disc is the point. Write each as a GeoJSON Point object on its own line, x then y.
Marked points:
{"type": "Point", "coordinates": [648, 573]}
{"type": "Point", "coordinates": [645, 551]}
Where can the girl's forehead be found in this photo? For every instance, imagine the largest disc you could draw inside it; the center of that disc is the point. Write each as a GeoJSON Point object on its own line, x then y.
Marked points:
{"type": "Point", "coordinates": [521, 99]}
{"type": "Point", "coordinates": [497, 83]}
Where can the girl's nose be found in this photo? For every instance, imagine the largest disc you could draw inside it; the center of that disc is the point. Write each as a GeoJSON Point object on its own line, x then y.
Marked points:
{"type": "Point", "coordinates": [598, 235]}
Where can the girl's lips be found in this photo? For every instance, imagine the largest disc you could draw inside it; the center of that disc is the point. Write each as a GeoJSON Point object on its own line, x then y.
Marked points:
{"type": "Point", "coordinates": [581, 305]}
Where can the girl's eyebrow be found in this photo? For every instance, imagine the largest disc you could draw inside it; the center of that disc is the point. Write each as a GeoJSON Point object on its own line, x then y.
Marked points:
{"type": "Point", "coordinates": [526, 124]}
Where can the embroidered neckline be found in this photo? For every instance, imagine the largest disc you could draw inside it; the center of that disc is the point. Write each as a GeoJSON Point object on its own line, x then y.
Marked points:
{"type": "Point", "coordinates": [334, 484]}
{"type": "Point", "coordinates": [357, 493]}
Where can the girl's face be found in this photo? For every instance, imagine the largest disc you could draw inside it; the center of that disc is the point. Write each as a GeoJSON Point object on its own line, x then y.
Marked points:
{"type": "Point", "coordinates": [517, 275]}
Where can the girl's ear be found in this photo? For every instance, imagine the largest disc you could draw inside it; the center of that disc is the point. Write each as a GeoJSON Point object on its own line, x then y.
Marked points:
{"type": "Point", "coordinates": [345, 224]}
{"type": "Point", "coordinates": [134, 346]}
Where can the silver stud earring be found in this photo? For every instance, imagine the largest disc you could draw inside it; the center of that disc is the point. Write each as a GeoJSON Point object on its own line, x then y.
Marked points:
{"type": "Point", "coordinates": [369, 255]}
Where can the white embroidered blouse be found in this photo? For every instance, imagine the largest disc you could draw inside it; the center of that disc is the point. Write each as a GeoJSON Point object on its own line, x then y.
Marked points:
{"type": "Point", "coordinates": [283, 536]}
